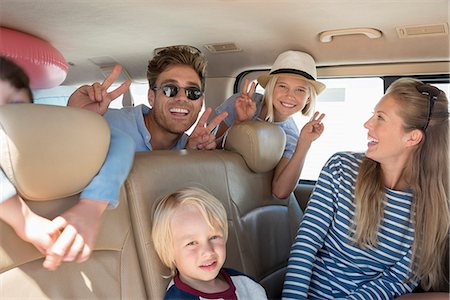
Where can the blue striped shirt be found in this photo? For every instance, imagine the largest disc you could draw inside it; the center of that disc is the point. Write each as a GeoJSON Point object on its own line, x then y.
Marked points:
{"type": "Point", "coordinates": [324, 263]}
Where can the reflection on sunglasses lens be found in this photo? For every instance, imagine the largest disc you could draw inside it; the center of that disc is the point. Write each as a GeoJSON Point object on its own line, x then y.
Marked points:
{"type": "Point", "coordinates": [171, 90]}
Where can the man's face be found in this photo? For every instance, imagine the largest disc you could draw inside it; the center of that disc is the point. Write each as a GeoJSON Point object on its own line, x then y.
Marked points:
{"type": "Point", "coordinates": [175, 114]}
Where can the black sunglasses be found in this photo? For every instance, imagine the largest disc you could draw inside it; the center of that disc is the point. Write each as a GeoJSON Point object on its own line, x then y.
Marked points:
{"type": "Point", "coordinates": [171, 90]}
{"type": "Point", "coordinates": [432, 93]}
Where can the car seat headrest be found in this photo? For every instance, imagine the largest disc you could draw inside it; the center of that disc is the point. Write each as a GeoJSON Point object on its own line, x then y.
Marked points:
{"type": "Point", "coordinates": [260, 143]}
{"type": "Point", "coordinates": [50, 152]}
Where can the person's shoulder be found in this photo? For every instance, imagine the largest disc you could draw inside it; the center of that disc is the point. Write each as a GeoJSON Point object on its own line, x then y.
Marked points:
{"type": "Point", "coordinates": [235, 273]}
{"type": "Point", "coordinates": [126, 113]}
{"type": "Point", "coordinates": [247, 287]}
{"type": "Point", "coordinates": [346, 158]}
{"type": "Point", "coordinates": [173, 293]}
{"type": "Point", "coordinates": [348, 155]}
{"type": "Point", "coordinates": [141, 108]}
{"type": "Point", "coordinates": [258, 97]}
{"type": "Point", "coordinates": [290, 126]}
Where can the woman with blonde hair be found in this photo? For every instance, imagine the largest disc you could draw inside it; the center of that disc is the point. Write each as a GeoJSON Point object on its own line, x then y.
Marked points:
{"type": "Point", "coordinates": [377, 224]}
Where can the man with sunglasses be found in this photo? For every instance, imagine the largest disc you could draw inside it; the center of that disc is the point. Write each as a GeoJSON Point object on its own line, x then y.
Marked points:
{"type": "Point", "coordinates": [176, 77]}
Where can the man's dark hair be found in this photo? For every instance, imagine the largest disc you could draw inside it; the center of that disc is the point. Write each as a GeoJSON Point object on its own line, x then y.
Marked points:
{"type": "Point", "coordinates": [177, 55]}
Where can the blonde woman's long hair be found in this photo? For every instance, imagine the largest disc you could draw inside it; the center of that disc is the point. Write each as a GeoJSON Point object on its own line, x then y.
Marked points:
{"type": "Point", "coordinates": [268, 102]}
{"type": "Point", "coordinates": [428, 175]}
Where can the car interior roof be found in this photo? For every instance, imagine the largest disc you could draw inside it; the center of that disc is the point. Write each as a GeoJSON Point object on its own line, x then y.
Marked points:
{"type": "Point", "coordinates": [95, 33]}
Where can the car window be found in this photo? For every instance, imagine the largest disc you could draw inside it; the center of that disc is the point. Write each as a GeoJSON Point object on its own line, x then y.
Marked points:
{"type": "Point", "coordinates": [55, 96]}
{"type": "Point", "coordinates": [139, 92]}
{"type": "Point", "coordinates": [60, 95]}
{"type": "Point", "coordinates": [347, 104]}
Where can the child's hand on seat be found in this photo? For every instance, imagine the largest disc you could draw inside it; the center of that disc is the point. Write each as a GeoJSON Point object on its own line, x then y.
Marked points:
{"type": "Point", "coordinates": [39, 231]}
{"type": "Point", "coordinates": [96, 97]}
{"type": "Point", "coordinates": [30, 227]}
{"type": "Point", "coordinates": [80, 225]}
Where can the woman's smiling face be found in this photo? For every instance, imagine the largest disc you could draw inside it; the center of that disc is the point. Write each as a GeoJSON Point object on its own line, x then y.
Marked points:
{"type": "Point", "coordinates": [386, 134]}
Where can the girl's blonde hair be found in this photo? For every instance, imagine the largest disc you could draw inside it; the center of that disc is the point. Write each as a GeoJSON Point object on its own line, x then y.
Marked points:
{"type": "Point", "coordinates": [210, 207]}
{"type": "Point", "coordinates": [268, 102]}
{"type": "Point", "coordinates": [428, 175]}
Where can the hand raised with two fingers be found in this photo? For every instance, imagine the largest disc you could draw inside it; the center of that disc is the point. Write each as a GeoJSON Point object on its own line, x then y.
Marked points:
{"type": "Point", "coordinates": [312, 130]}
{"type": "Point", "coordinates": [96, 97]}
{"type": "Point", "coordinates": [245, 106]}
{"type": "Point", "coordinates": [202, 137]}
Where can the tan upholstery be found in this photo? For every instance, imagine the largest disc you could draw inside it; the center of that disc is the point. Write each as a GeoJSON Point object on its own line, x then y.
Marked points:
{"type": "Point", "coordinates": [51, 153]}
{"type": "Point", "coordinates": [123, 264]}
{"type": "Point", "coordinates": [261, 227]}
{"type": "Point", "coordinates": [40, 145]}
{"type": "Point", "coordinates": [259, 143]}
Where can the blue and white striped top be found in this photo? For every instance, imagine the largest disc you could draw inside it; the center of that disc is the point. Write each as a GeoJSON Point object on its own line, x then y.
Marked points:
{"type": "Point", "coordinates": [324, 263]}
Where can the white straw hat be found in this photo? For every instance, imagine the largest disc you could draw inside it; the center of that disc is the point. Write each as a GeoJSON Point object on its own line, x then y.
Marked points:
{"type": "Point", "coordinates": [294, 64]}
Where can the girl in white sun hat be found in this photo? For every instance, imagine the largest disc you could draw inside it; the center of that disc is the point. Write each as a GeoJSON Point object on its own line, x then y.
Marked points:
{"type": "Point", "coordinates": [291, 86]}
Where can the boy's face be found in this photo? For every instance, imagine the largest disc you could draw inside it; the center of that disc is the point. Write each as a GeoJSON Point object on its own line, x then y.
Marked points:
{"type": "Point", "coordinates": [199, 250]}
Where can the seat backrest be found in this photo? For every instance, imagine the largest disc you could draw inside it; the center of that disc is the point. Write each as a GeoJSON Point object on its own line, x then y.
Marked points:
{"type": "Point", "coordinates": [50, 153]}
{"type": "Point", "coordinates": [261, 228]}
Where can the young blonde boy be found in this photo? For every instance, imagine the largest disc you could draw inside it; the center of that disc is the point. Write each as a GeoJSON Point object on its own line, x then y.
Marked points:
{"type": "Point", "coordinates": [189, 233]}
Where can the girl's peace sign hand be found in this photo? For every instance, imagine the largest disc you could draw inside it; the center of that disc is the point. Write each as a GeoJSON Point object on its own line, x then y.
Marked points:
{"type": "Point", "coordinates": [245, 106]}
{"type": "Point", "coordinates": [313, 129]}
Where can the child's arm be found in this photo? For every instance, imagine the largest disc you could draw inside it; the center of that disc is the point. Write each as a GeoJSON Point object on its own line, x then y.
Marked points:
{"type": "Point", "coordinates": [287, 172]}
{"type": "Point", "coordinates": [30, 227]}
{"type": "Point", "coordinates": [80, 227]}
{"type": "Point", "coordinates": [82, 222]}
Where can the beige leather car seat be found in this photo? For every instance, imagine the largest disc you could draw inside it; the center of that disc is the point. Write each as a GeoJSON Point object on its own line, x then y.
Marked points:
{"type": "Point", "coordinates": [261, 228]}
{"type": "Point", "coordinates": [50, 153]}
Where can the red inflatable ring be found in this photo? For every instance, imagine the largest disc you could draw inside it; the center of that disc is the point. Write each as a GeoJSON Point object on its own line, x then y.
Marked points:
{"type": "Point", "coordinates": [43, 63]}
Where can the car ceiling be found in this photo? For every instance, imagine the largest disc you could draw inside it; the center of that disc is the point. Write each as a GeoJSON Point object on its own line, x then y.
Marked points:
{"type": "Point", "coordinates": [127, 32]}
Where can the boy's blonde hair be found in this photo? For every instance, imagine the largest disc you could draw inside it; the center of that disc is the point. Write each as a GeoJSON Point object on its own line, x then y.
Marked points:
{"type": "Point", "coordinates": [209, 206]}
